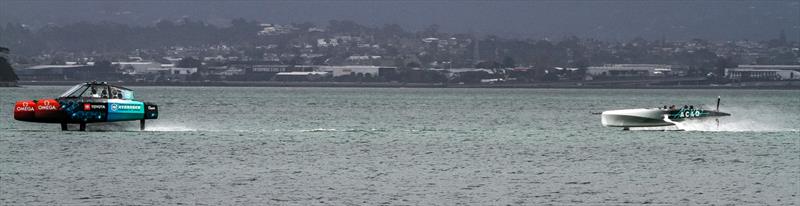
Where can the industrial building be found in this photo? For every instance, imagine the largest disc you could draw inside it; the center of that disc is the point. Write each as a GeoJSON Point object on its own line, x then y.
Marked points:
{"type": "Point", "coordinates": [763, 72]}
{"type": "Point", "coordinates": [356, 70]}
{"type": "Point", "coordinates": [54, 72]}
{"type": "Point", "coordinates": [630, 70]}
{"type": "Point", "coordinates": [300, 76]}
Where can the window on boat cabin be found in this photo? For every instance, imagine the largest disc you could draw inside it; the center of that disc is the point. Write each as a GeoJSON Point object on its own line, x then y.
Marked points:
{"type": "Point", "coordinates": [75, 91]}
{"type": "Point", "coordinates": [120, 93]}
{"type": "Point", "coordinates": [116, 93]}
{"type": "Point", "coordinates": [83, 90]}
{"type": "Point", "coordinates": [99, 91]}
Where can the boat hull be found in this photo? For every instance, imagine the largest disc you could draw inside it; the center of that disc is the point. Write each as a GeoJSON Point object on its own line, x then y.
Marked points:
{"type": "Point", "coordinates": [654, 117]}
{"type": "Point", "coordinates": [83, 110]}
{"type": "Point", "coordinates": [634, 118]}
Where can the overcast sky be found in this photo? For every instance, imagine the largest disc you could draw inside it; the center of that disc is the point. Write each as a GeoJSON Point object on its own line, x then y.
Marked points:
{"type": "Point", "coordinates": [608, 20]}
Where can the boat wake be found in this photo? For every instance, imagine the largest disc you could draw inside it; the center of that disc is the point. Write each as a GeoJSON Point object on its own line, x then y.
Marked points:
{"type": "Point", "coordinates": [754, 119]}
{"type": "Point", "coordinates": [329, 130]}
{"type": "Point", "coordinates": [167, 126]}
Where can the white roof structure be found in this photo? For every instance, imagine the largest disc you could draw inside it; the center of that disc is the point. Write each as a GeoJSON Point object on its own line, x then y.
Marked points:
{"type": "Point", "coordinates": [779, 67]}
{"type": "Point", "coordinates": [301, 73]}
{"type": "Point", "coordinates": [38, 67]}
{"type": "Point", "coordinates": [650, 69]}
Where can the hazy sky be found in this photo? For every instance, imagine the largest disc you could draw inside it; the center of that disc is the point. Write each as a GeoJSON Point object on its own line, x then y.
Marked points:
{"type": "Point", "coordinates": [609, 20]}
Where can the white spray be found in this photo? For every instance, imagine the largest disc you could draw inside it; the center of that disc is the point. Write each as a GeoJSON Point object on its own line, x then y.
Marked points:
{"type": "Point", "coordinates": [755, 119]}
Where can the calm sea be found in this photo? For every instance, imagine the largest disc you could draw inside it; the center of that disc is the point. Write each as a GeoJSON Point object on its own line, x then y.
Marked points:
{"type": "Point", "coordinates": [404, 146]}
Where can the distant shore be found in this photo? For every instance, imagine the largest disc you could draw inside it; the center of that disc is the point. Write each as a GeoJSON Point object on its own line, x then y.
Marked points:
{"type": "Point", "coordinates": [577, 84]}
{"type": "Point", "coordinates": [8, 84]}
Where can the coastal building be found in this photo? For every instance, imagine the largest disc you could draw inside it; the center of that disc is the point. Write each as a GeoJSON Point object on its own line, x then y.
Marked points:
{"type": "Point", "coordinates": [267, 71]}
{"type": "Point", "coordinates": [763, 72]}
{"type": "Point", "coordinates": [452, 73]}
{"type": "Point", "coordinates": [54, 72]}
{"type": "Point", "coordinates": [630, 70]}
{"type": "Point", "coordinates": [301, 76]}
{"type": "Point", "coordinates": [271, 68]}
{"type": "Point", "coordinates": [167, 71]}
{"type": "Point", "coordinates": [92, 71]}
{"type": "Point", "coordinates": [357, 70]}
{"type": "Point", "coordinates": [138, 65]}
{"type": "Point", "coordinates": [275, 29]}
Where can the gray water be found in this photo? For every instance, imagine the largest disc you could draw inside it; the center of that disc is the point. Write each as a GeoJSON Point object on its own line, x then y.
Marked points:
{"type": "Point", "coordinates": [403, 146]}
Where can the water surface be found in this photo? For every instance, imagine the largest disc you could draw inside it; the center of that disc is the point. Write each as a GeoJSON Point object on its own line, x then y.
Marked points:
{"type": "Point", "coordinates": [420, 146]}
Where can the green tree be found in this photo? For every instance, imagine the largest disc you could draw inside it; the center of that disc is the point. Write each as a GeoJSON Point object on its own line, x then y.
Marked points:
{"type": "Point", "coordinates": [6, 71]}
{"type": "Point", "coordinates": [509, 62]}
{"type": "Point", "coordinates": [488, 65]}
{"type": "Point", "coordinates": [189, 62]}
{"type": "Point", "coordinates": [722, 63]}
{"type": "Point", "coordinates": [411, 65]}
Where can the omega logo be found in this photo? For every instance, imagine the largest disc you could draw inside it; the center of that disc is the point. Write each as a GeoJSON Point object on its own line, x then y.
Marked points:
{"type": "Point", "coordinates": [25, 107]}
{"type": "Point", "coordinates": [46, 105]}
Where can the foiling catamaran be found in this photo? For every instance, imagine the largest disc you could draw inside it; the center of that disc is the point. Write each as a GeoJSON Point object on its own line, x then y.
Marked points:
{"type": "Point", "coordinates": [658, 117]}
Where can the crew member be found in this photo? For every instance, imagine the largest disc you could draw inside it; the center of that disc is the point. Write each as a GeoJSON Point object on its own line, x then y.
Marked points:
{"type": "Point", "coordinates": [94, 92]}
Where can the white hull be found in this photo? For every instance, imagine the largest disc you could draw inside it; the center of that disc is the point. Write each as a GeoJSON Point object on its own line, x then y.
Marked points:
{"type": "Point", "coordinates": [634, 118]}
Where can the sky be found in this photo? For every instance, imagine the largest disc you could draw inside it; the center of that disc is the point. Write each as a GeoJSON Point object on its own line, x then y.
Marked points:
{"type": "Point", "coordinates": [601, 19]}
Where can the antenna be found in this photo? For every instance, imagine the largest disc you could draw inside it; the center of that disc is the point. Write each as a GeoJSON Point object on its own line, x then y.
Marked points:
{"type": "Point", "coordinates": [717, 119]}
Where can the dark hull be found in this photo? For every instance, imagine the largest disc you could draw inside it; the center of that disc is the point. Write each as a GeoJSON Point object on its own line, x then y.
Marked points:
{"type": "Point", "coordinates": [687, 114]}
{"type": "Point", "coordinates": [83, 110]}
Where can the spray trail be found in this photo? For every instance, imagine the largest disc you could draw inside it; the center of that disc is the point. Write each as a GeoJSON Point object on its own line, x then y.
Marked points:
{"type": "Point", "coordinates": [751, 119]}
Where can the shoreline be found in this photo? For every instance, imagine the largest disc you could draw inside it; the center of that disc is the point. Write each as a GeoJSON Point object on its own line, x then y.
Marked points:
{"type": "Point", "coordinates": [783, 85]}
{"type": "Point", "coordinates": [8, 84]}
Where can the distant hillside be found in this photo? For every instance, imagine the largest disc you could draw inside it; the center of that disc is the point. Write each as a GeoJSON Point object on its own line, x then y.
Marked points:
{"type": "Point", "coordinates": [6, 71]}
{"type": "Point", "coordinates": [610, 20]}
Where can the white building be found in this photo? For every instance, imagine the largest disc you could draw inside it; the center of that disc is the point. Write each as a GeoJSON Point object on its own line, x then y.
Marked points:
{"type": "Point", "coordinates": [270, 68]}
{"type": "Point", "coordinates": [275, 29]}
{"type": "Point", "coordinates": [173, 60]}
{"type": "Point", "coordinates": [166, 70]}
{"type": "Point", "coordinates": [300, 76]}
{"type": "Point", "coordinates": [348, 70]}
{"type": "Point", "coordinates": [322, 43]}
{"type": "Point", "coordinates": [630, 70]}
{"type": "Point", "coordinates": [136, 66]}
{"type": "Point", "coordinates": [362, 57]}
{"type": "Point", "coordinates": [764, 72]}
{"type": "Point", "coordinates": [429, 40]}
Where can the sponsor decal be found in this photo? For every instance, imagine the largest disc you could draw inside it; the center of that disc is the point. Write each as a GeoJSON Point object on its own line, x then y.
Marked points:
{"type": "Point", "coordinates": [98, 106]}
{"type": "Point", "coordinates": [689, 113]}
{"type": "Point", "coordinates": [25, 107]}
{"type": "Point", "coordinates": [115, 107]}
{"type": "Point", "coordinates": [87, 107]}
{"type": "Point", "coordinates": [151, 108]}
{"type": "Point", "coordinates": [46, 105]}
